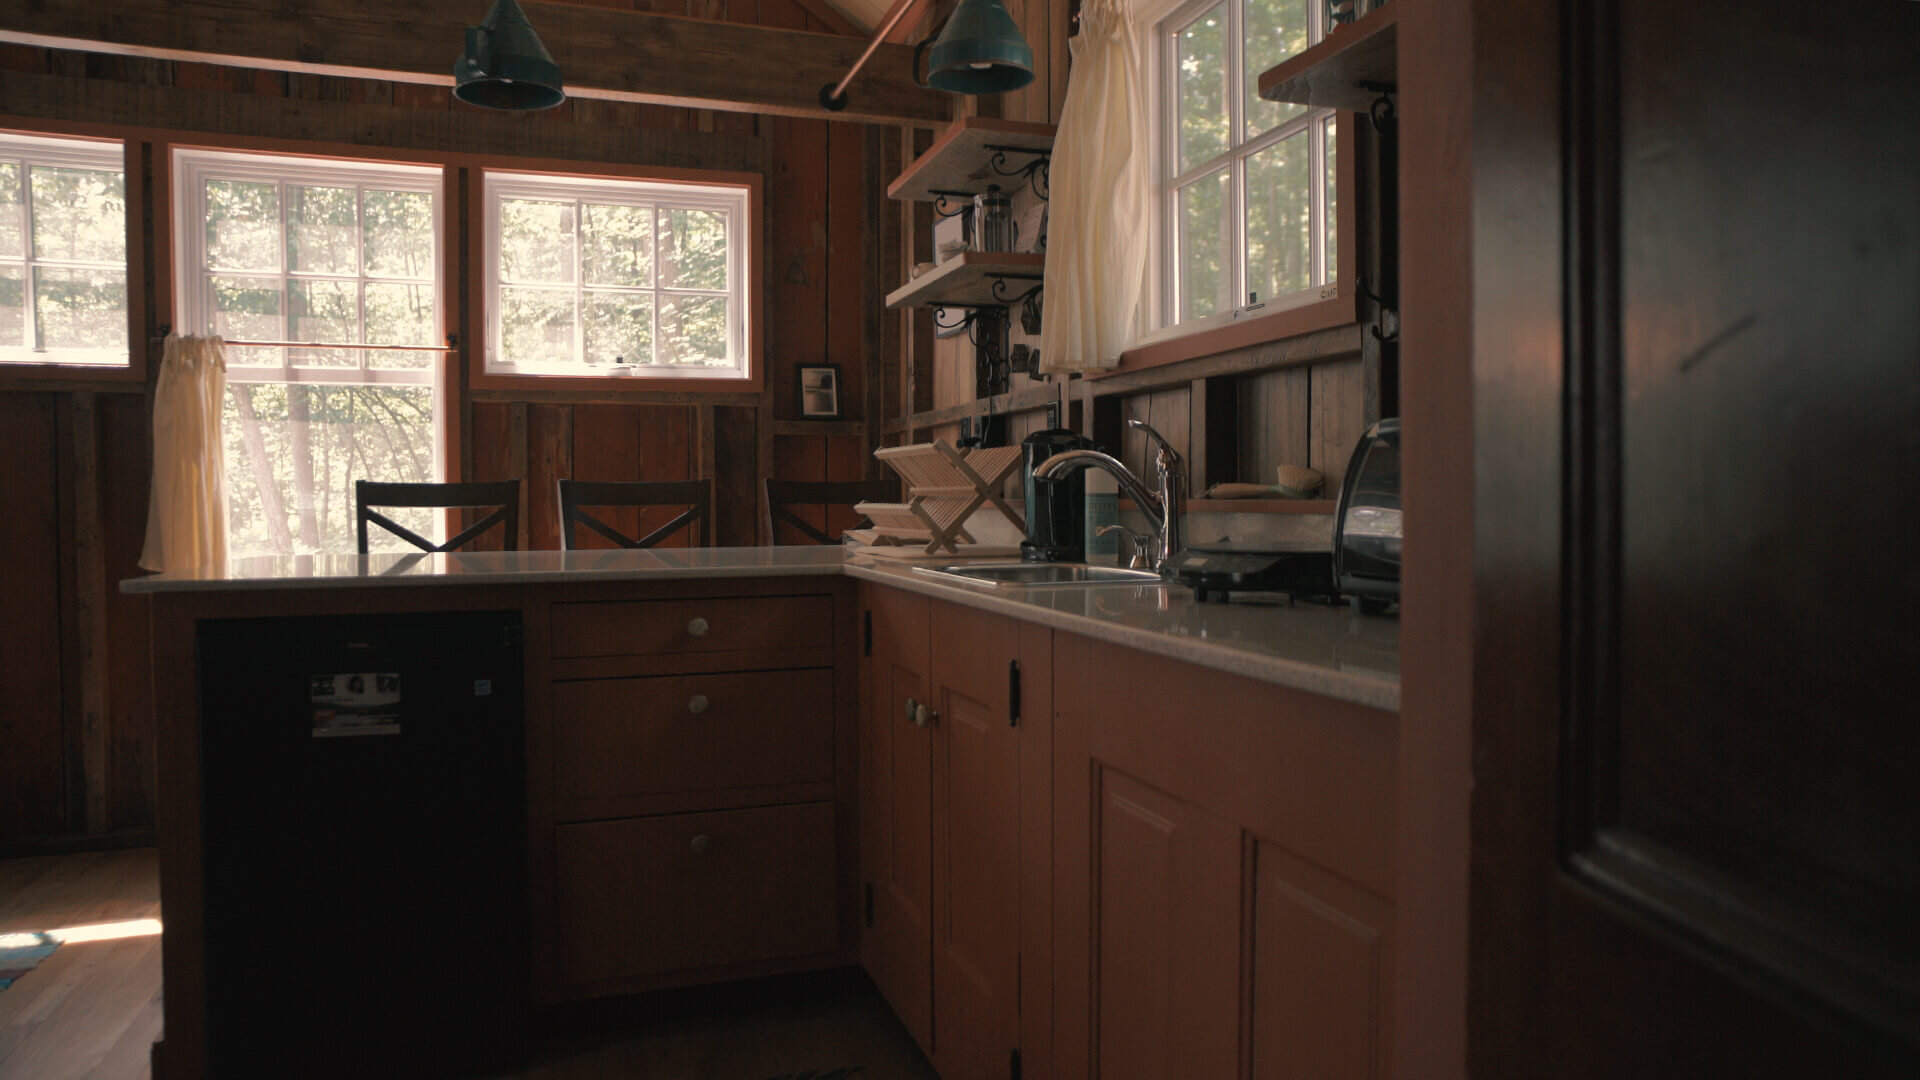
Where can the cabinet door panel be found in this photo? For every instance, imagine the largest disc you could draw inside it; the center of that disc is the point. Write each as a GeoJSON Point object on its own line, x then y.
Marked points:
{"type": "Point", "coordinates": [1167, 936]}
{"type": "Point", "coordinates": [896, 813]}
{"type": "Point", "coordinates": [686, 891]}
{"type": "Point", "coordinates": [624, 737]}
{"type": "Point", "coordinates": [976, 957]}
{"type": "Point", "coordinates": [1321, 967]}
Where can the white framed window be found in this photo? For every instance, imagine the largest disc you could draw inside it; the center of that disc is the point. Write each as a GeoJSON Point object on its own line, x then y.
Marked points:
{"type": "Point", "coordinates": [63, 251]}
{"type": "Point", "coordinates": [1246, 189]}
{"type": "Point", "coordinates": [296, 255]}
{"type": "Point", "coordinates": [590, 276]}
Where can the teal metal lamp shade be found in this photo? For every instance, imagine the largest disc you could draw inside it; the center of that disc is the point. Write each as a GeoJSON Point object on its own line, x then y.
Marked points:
{"type": "Point", "coordinates": [505, 66]}
{"type": "Point", "coordinates": [981, 51]}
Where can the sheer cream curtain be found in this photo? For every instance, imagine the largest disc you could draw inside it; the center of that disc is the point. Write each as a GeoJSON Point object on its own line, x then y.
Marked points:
{"type": "Point", "coordinates": [1102, 208]}
{"type": "Point", "coordinates": [187, 519]}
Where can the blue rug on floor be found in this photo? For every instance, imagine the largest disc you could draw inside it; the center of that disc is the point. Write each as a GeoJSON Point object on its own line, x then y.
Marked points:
{"type": "Point", "coordinates": [19, 953]}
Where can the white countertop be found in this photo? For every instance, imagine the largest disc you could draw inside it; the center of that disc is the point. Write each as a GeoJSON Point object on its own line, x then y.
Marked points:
{"type": "Point", "coordinates": [1323, 650]}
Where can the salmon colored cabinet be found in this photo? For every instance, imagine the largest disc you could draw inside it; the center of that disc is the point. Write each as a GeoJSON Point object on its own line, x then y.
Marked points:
{"type": "Point", "coordinates": [692, 781]}
{"type": "Point", "coordinates": [1223, 861]}
{"type": "Point", "coordinates": [955, 755]}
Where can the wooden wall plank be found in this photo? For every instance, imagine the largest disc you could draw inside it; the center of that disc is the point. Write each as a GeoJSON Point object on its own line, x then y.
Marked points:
{"type": "Point", "coordinates": [1339, 416]}
{"type": "Point", "coordinates": [89, 602]}
{"type": "Point", "coordinates": [1276, 423]}
{"type": "Point", "coordinates": [32, 798]}
{"type": "Point", "coordinates": [549, 457]}
{"type": "Point", "coordinates": [126, 469]}
{"type": "Point", "coordinates": [736, 481]}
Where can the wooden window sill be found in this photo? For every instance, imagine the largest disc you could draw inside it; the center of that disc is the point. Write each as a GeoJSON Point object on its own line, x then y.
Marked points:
{"type": "Point", "coordinates": [1341, 310]}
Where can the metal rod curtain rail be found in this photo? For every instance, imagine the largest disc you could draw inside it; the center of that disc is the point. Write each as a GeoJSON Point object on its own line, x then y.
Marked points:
{"type": "Point", "coordinates": [338, 345]}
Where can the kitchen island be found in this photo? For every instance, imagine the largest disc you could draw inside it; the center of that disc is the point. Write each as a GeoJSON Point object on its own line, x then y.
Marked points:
{"type": "Point", "coordinates": [731, 771]}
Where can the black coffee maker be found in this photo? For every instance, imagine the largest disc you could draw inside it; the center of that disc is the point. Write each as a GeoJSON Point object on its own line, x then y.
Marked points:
{"type": "Point", "coordinates": [1056, 509]}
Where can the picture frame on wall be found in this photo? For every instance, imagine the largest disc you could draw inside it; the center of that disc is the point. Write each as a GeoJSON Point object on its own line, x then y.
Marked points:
{"type": "Point", "coordinates": [820, 391]}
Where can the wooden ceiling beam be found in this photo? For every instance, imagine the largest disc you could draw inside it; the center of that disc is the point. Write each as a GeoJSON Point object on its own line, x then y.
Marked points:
{"type": "Point", "coordinates": [602, 53]}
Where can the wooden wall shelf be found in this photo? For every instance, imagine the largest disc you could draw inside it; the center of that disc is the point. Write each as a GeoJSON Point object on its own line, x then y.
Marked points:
{"type": "Point", "coordinates": [1024, 399]}
{"type": "Point", "coordinates": [968, 279]}
{"type": "Point", "coordinates": [1345, 71]}
{"type": "Point", "coordinates": [961, 159]}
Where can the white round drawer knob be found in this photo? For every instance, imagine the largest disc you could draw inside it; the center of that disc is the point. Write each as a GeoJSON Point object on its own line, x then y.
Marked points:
{"type": "Point", "coordinates": [702, 844]}
{"type": "Point", "coordinates": [697, 628]}
{"type": "Point", "coordinates": [922, 716]}
{"type": "Point", "coordinates": [911, 706]}
{"type": "Point", "coordinates": [697, 704]}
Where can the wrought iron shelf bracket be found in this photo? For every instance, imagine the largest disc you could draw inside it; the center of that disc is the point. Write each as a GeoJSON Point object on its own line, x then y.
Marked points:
{"type": "Point", "coordinates": [1038, 172]}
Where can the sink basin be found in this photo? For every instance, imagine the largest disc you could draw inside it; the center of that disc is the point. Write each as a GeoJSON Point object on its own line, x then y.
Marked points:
{"type": "Point", "coordinates": [1039, 575]}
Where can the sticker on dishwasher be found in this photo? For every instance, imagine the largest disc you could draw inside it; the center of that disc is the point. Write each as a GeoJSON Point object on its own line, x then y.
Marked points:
{"type": "Point", "coordinates": [355, 703]}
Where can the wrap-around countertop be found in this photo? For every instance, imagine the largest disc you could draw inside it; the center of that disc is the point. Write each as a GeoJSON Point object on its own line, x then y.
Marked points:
{"type": "Point", "coordinates": [1330, 651]}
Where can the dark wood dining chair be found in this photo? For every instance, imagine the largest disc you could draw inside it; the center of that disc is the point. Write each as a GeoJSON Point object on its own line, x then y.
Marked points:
{"type": "Point", "coordinates": [502, 496]}
{"type": "Point", "coordinates": [695, 495]}
{"type": "Point", "coordinates": [783, 495]}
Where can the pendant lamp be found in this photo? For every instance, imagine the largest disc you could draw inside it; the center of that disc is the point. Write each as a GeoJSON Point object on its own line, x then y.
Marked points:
{"type": "Point", "coordinates": [505, 66]}
{"type": "Point", "coordinates": [979, 51]}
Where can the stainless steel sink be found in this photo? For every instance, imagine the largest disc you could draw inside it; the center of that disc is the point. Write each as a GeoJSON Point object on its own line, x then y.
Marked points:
{"type": "Point", "coordinates": [1039, 575]}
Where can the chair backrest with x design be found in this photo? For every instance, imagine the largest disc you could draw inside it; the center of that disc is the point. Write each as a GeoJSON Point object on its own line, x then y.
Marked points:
{"type": "Point", "coordinates": [783, 495]}
{"type": "Point", "coordinates": [695, 495]}
{"type": "Point", "coordinates": [502, 496]}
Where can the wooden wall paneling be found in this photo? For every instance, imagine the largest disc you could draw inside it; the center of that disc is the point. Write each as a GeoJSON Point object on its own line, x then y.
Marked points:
{"type": "Point", "coordinates": [1339, 395]}
{"type": "Point", "coordinates": [850, 303]}
{"type": "Point", "coordinates": [32, 801]}
{"type": "Point", "coordinates": [1214, 432]}
{"type": "Point", "coordinates": [518, 454]}
{"type": "Point", "coordinates": [126, 468]}
{"type": "Point", "coordinates": [882, 271]}
{"type": "Point", "coordinates": [668, 452]}
{"type": "Point", "coordinates": [490, 449]}
{"type": "Point", "coordinates": [606, 446]}
{"type": "Point", "coordinates": [549, 457]}
{"type": "Point", "coordinates": [89, 603]}
{"type": "Point", "coordinates": [1276, 423]}
{"type": "Point", "coordinates": [736, 475]}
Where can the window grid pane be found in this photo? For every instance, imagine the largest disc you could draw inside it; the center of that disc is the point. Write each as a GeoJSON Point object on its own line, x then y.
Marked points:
{"type": "Point", "coordinates": [652, 284]}
{"type": "Point", "coordinates": [1224, 248]}
{"type": "Point", "coordinates": [1202, 88]}
{"type": "Point", "coordinates": [63, 252]}
{"type": "Point", "coordinates": [1279, 202]}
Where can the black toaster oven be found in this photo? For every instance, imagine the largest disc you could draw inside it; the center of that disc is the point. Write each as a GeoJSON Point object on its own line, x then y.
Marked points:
{"type": "Point", "coordinates": [1366, 524]}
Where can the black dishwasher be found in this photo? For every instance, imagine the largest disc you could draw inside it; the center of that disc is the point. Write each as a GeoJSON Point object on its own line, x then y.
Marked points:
{"type": "Point", "coordinates": [364, 836]}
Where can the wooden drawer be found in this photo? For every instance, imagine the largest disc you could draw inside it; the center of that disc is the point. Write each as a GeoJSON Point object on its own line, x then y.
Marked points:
{"type": "Point", "coordinates": [723, 625]}
{"type": "Point", "coordinates": [616, 738]}
{"type": "Point", "coordinates": [644, 896]}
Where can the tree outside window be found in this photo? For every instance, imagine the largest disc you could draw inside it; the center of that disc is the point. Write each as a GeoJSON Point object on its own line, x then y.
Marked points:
{"type": "Point", "coordinates": [597, 277]}
{"type": "Point", "coordinates": [63, 251]}
{"type": "Point", "coordinates": [324, 253]}
{"type": "Point", "coordinates": [1248, 197]}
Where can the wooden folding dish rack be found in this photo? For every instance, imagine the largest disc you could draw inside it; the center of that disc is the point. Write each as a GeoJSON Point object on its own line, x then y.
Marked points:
{"type": "Point", "coordinates": [944, 487]}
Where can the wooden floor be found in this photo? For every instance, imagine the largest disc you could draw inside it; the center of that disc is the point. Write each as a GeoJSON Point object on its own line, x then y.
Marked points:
{"type": "Point", "coordinates": [93, 1008]}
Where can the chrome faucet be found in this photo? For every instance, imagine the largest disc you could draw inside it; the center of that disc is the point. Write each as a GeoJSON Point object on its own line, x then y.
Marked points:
{"type": "Point", "coordinates": [1162, 508]}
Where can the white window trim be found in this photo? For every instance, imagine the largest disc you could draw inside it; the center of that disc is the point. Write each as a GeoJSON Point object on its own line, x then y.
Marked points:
{"type": "Point", "coordinates": [735, 201]}
{"type": "Point", "coordinates": [193, 311]}
{"type": "Point", "coordinates": [1159, 22]}
{"type": "Point", "coordinates": [65, 151]}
